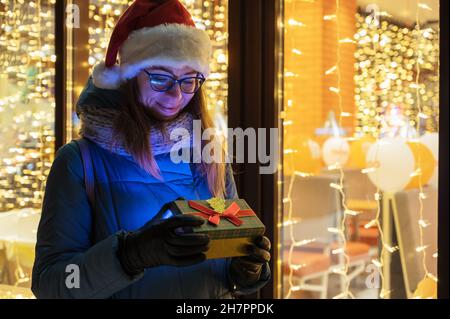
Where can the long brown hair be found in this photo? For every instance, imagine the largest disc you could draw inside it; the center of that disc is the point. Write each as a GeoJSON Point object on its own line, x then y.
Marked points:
{"type": "Point", "coordinates": [133, 127]}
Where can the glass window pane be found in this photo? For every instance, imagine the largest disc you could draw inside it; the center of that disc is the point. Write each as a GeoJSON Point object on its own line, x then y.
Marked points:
{"type": "Point", "coordinates": [27, 113]}
{"type": "Point", "coordinates": [360, 142]}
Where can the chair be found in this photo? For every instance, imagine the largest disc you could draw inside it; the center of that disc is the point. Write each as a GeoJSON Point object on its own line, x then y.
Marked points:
{"type": "Point", "coordinates": [359, 194]}
{"type": "Point", "coordinates": [316, 204]}
{"type": "Point", "coordinates": [408, 207]}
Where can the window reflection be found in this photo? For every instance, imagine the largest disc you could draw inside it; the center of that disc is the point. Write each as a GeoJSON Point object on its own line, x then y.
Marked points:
{"type": "Point", "coordinates": [360, 135]}
{"type": "Point", "coordinates": [27, 57]}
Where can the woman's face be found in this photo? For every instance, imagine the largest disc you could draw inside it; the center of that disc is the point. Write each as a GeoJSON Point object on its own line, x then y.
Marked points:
{"type": "Point", "coordinates": [164, 106]}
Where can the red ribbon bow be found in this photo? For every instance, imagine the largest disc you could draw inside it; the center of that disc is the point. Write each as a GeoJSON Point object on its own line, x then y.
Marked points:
{"type": "Point", "coordinates": [232, 213]}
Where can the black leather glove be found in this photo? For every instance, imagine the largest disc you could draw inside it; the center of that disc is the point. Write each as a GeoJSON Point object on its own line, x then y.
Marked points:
{"type": "Point", "coordinates": [246, 271]}
{"type": "Point", "coordinates": [162, 243]}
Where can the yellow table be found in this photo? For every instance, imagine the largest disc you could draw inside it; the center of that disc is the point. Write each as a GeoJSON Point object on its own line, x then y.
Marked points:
{"type": "Point", "coordinates": [11, 292]}
{"type": "Point", "coordinates": [361, 204]}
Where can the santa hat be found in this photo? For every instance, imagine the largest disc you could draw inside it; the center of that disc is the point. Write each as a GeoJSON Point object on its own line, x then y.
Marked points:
{"type": "Point", "coordinates": [152, 32]}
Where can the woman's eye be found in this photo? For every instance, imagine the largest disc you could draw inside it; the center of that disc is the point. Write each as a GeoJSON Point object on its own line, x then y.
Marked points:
{"type": "Point", "coordinates": [189, 81]}
{"type": "Point", "coordinates": [160, 79]}
{"type": "Point", "coordinates": [161, 82]}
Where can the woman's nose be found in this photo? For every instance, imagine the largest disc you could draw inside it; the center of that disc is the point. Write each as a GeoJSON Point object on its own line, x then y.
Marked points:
{"type": "Point", "coordinates": [175, 92]}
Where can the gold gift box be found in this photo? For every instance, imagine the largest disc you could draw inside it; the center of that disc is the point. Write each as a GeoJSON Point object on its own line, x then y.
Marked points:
{"type": "Point", "coordinates": [227, 239]}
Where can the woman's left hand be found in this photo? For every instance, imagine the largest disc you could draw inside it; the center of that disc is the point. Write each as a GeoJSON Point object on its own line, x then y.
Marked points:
{"type": "Point", "coordinates": [246, 271]}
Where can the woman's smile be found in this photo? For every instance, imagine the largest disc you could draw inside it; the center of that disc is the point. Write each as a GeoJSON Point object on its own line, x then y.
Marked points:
{"type": "Point", "coordinates": [168, 110]}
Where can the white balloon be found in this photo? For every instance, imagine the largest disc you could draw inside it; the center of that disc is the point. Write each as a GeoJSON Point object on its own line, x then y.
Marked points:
{"type": "Point", "coordinates": [335, 150]}
{"type": "Point", "coordinates": [432, 141]}
{"type": "Point", "coordinates": [393, 161]}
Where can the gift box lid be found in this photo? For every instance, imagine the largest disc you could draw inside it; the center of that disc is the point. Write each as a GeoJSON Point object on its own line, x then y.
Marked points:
{"type": "Point", "coordinates": [251, 224]}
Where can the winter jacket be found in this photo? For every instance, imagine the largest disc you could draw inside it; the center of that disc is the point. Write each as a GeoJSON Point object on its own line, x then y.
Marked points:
{"type": "Point", "coordinates": [74, 237]}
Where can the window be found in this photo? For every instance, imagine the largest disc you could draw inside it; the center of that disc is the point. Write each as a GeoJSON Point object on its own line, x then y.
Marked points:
{"type": "Point", "coordinates": [27, 104]}
{"type": "Point", "coordinates": [360, 142]}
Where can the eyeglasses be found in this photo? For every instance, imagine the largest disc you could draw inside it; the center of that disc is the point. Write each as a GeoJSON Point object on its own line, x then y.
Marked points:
{"type": "Point", "coordinates": [164, 82]}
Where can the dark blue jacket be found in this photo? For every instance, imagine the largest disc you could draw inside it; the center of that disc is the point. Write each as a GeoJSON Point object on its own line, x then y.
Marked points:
{"type": "Point", "coordinates": [126, 197]}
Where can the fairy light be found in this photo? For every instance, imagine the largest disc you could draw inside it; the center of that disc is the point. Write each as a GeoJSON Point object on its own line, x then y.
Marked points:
{"type": "Point", "coordinates": [338, 251]}
{"type": "Point", "coordinates": [290, 74]}
{"type": "Point", "coordinates": [347, 40]}
{"type": "Point", "coordinates": [333, 167]}
{"type": "Point", "coordinates": [330, 70]}
{"type": "Point", "coordinates": [342, 269]}
{"type": "Point", "coordinates": [352, 212]}
{"type": "Point", "coordinates": [421, 248]}
{"type": "Point", "coordinates": [303, 242]}
{"type": "Point", "coordinates": [423, 6]}
{"type": "Point", "coordinates": [333, 230]}
{"type": "Point", "coordinates": [26, 68]}
{"type": "Point", "coordinates": [297, 267]}
{"type": "Point", "coordinates": [420, 36]}
{"type": "Point", "coordinates": [384, 293]}
{"type": "Point", "coordinates": [302, 174]}
{"type": "Point", "coordinates": [26, 110]}
{"type": "Point", "coordinates": [342, 272]}
{"type": "Point", "coordinates": [346, 293]}
{"type": "Point", "coordinates": [334, 89]}
{"type": "Point", "coordinates": [294, 243]}
{"type": "Point", "coordinates": [293, 22]}
{"type": "Point", "coordinates": [377, 195]}
{"type": "Point", "coordinates": [383, 77]}
{"type": "Point", "coordinates": [391, 249]}
{"type": "Point", "coordinates": [337, 186]}
{"type": "Point", "coordinates": [290, 222]}
{"type": "Point", "coordinates": [329, 17]}
{"type": "Point", "coordinates": [368, 170]}
{"type": "Point", "coordinates": [212, 17]}
{"type": "Point", "coordinates": [423, 223]}
{"type": "Point", "coordinates": [403, 41]}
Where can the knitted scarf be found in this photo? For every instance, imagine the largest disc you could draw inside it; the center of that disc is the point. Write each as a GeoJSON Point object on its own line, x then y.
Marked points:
{"type": "Point", "coordinates": [97, 126]}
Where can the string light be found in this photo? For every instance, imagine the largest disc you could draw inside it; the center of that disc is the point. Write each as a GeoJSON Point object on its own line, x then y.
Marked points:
{"type": "Point", "coordinates": [352, 212]}
{"type": "Point", "coordinates": [391, 249]}
{"type": "Point", "coordinates": [329, 17]}
{"type": "Point", "coordinates": [420, 36]}
{"type": "Point", "coordinates": [330, 70]}
{"type": "Point", "coordinates": [293, 22]}
{"type": "Point", "coordinates": [342, 268]}
{"type": "Point", "coordinates": [26, 68]}
{"type": "Point", "coordinates": [384, 72]}
{"type": "Point", "coordinates": [415, 111]}
{"type": "Point", "coordinates": [294, 243]}
{"type": "Point", "coordinates": [346, 293]}
{"type": "Point", "coordinates": [26, 116]}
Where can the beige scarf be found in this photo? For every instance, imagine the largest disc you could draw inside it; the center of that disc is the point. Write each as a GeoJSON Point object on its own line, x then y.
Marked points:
{"type": "Point", "coordinates": [97, 126]}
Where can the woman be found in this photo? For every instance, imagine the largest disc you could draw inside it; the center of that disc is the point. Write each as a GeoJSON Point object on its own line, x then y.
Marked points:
{"type": "Point", "coordinates": [115, 248]}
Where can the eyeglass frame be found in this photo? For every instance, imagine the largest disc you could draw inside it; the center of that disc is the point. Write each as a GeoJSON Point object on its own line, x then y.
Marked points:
{"type": "Point", "coordinates": [176, 81]}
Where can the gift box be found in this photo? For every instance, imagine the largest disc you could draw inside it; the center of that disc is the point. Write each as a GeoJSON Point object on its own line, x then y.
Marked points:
{"type": "Point", "coordinates": [231, 224]}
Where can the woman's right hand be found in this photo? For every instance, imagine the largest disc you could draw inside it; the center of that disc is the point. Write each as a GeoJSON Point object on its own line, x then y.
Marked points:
{"type": "Point", "coordinates": [157, 244]}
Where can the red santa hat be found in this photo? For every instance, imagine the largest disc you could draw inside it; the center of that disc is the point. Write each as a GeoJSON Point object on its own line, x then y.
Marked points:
{"type": "Point", "coordinates": [152, 32]}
